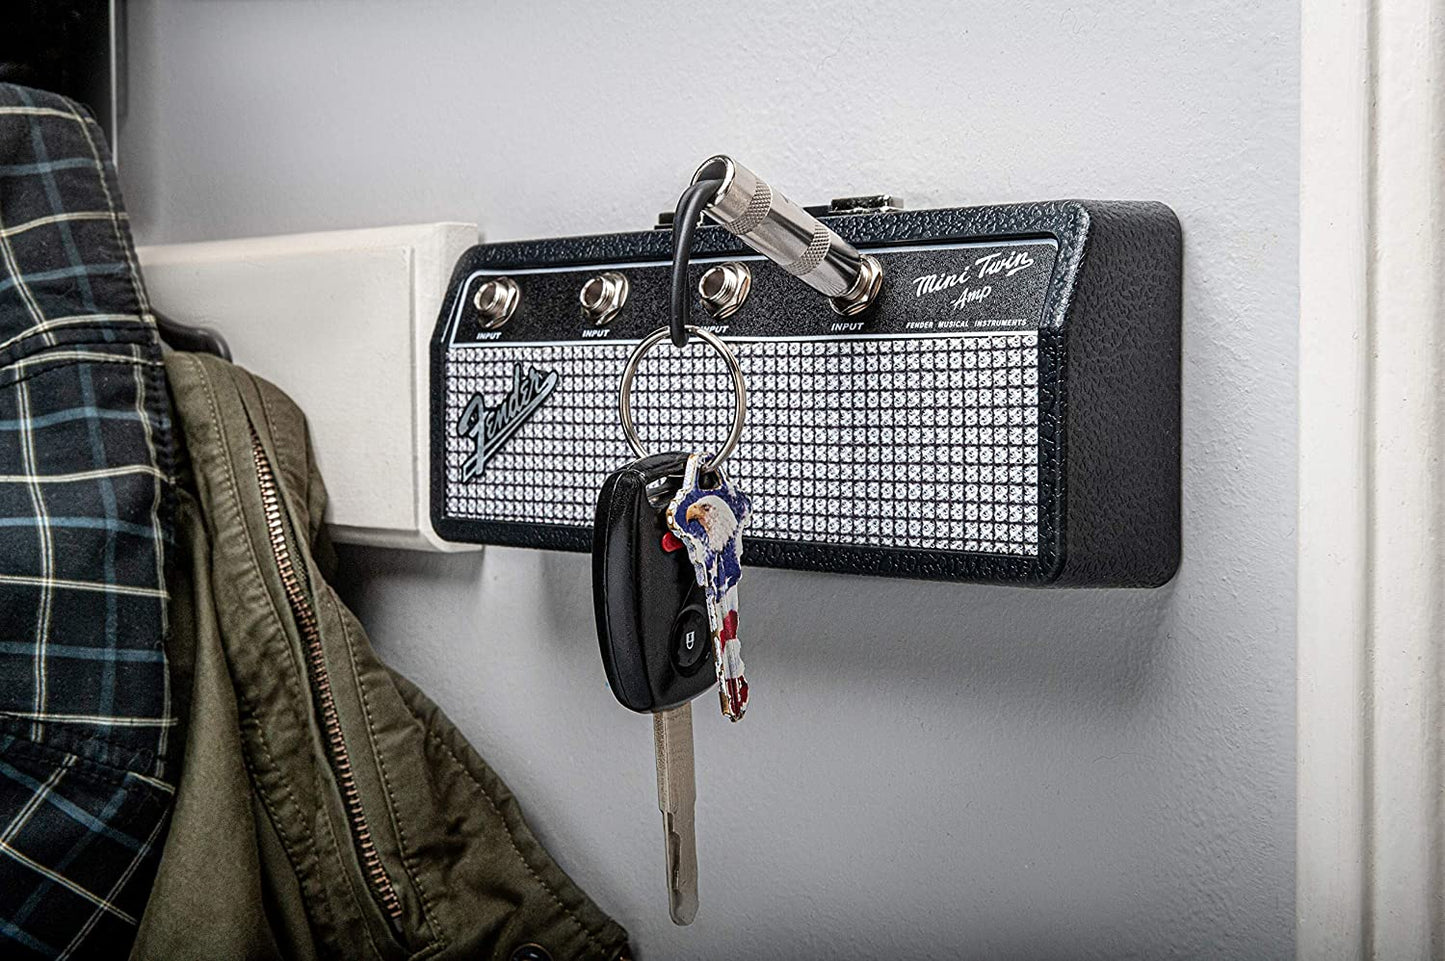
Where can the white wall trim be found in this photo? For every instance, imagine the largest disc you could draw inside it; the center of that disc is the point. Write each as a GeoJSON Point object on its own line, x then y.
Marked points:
{"type": "Point", "coordinates": [1371, 569]}
{"type": "Point", "coordinates": [342, 321]}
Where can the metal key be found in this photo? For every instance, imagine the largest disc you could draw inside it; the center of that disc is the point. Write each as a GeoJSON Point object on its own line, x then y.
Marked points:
{"type": "Point", "coordinates": [677, 800]}
{"type": "Point", "coordinates": [707, 515]}
{"type": "Point", "coordinates": [655, 640]}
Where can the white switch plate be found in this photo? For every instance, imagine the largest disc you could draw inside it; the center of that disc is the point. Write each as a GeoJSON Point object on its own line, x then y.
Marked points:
{"type": "Point", "coordinates": [341, 321]}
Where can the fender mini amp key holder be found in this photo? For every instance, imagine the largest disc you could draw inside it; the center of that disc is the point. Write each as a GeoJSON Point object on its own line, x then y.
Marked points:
{"type": "Point", "coordinates": [1003, 407]}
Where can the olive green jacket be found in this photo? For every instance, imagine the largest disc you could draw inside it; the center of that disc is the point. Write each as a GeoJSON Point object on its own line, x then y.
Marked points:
{"type": "Point", "coordinates": [326, 808]}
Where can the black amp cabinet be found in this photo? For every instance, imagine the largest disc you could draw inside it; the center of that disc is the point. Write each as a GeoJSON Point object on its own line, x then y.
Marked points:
{"type": "Point", "coordinates": [1006, 411]}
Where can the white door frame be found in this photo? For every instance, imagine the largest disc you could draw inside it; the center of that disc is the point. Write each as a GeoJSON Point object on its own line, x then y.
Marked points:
{"type": "Point", "coordinates": [1371, 573]}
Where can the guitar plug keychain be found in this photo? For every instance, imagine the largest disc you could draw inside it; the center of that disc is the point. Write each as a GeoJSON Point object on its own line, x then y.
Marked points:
{"type": "Point", "coordinates": [667, 543]}
{"type": "Point", "coordinates": [706, 513]}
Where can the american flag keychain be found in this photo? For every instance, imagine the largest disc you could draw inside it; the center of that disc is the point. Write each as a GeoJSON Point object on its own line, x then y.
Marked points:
{"type": "Point", "coordinates": [707, 516]}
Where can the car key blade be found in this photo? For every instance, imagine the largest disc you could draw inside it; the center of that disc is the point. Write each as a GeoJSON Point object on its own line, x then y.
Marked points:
{"type": "Point", "coordinates": [677, 800]}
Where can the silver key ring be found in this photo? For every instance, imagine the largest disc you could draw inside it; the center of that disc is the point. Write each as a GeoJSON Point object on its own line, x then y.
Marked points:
{"type": "Point", "coordinates": [740, 393]}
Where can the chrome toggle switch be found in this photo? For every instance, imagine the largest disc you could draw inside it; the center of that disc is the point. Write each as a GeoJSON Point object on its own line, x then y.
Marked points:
{"type": "Point", "coordinates": [723, 288]}
{"type": "Point", "coordinates": [603, 296]}
{"type": "Point", "coordinates": [496, 301]}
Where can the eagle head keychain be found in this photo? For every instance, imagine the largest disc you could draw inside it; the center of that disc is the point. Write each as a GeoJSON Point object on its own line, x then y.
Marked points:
{"type": "Point", "coordinates": [706, 516]}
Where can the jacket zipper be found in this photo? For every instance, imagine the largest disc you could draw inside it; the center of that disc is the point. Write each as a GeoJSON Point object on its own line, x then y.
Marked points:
{"type": "Point", "coordinates": [297, 597]}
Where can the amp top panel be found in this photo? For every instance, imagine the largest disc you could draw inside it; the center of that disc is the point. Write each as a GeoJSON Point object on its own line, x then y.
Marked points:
{"type": "Point", "coordinates": [1006, 410]}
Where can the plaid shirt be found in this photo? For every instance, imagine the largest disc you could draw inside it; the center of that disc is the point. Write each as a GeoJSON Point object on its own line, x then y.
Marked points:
{"type": "Point", "coordinates": [87, 726]}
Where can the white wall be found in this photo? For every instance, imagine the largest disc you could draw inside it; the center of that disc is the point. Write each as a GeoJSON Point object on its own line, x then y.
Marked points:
{"type": "Point", "coordinates": [928, 770]}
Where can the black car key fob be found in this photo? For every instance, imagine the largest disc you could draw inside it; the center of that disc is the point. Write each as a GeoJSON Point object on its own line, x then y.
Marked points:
{"type": "Point", "coordinates": [652, 621]}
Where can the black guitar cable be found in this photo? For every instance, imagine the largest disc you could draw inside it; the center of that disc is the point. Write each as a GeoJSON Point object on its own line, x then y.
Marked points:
{"type": "Point", "coordinates": [774, 226]}
{"type": "Point", "coordinates": [684, 224]}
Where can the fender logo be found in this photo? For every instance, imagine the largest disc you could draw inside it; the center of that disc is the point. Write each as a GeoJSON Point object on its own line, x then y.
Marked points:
{"type": "Point", "coordinates": [491, 427]}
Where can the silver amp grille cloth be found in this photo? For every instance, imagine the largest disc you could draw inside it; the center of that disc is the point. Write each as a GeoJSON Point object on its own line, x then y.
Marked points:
{"type": "Point", "coordinates": [912, 442]}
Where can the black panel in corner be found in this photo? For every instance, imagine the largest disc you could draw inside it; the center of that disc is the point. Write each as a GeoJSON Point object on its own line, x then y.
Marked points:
{"type": "Point", "coordinates": [1007, 413]}
{"type": "Point", "coordinates": [1123, 413]}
